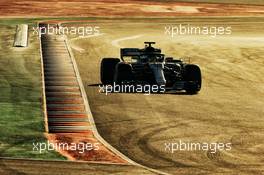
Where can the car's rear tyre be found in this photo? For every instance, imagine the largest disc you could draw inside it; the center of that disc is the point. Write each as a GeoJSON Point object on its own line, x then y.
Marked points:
{"type": "Point", "coordinates": [108, 69]}
{"type": "Point", "coordinates": [123, 73]}
{"type": "Point", "coordinates": [193, 78]}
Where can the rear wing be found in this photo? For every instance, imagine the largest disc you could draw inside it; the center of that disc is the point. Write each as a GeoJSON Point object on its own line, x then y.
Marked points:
{"type": "Point", "coordinates": [129, 52]}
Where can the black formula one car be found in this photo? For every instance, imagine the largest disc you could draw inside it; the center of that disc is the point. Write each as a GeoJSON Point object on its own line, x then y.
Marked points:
{"type": "Point", "coordinates": [149, 66]}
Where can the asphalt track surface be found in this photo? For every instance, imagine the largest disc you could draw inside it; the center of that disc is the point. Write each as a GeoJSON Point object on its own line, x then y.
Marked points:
{"type": "Point", "coordinates": [228, 109]}
{"type": "Point", "coordinates": [36, 167]}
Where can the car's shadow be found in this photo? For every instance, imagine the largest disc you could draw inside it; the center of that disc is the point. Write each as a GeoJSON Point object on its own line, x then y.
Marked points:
{"type": "Point", "coordinates": [95, 85]}
{"type": "Point", "coordinates": [171, 92]}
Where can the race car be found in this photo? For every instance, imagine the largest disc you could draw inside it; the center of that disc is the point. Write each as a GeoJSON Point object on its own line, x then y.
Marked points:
{"type": "Point", "coordinates": [150, 66]}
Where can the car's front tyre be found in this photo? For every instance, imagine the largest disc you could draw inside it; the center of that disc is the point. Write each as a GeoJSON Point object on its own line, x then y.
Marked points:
{"type": "Point", "coordinates": [193, 78]}
{"type": "Point", "coordinates": [123, 73]}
